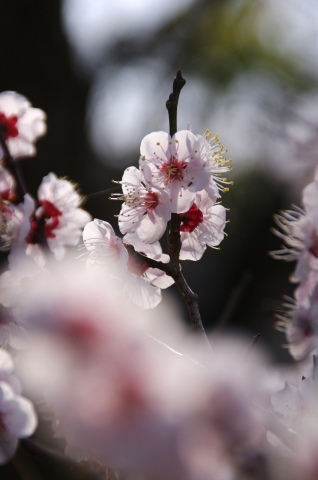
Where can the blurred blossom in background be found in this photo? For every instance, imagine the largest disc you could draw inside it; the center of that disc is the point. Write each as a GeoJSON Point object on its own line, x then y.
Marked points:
{"type": "Point", "coordinates": [250, 68]}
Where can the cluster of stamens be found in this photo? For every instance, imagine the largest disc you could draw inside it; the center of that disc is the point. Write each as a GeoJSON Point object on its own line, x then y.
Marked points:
{"type": "Point", "coordinates": [173, 170]}
{"type": "Point", "coordinates": [218, 162]}
{"type": "Point", "coordinates": [139, 200]}
{"type": "Point", "coordinates": [191, 219]}
{"type": "Point", "coordinates": [289, 231]}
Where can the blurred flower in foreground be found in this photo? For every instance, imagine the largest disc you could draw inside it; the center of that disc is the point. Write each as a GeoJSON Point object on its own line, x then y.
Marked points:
{"type": "Point", "coordinates": [140, 283]}
{"type": "Point", "coordinates": [17, 415]}
{"type": "Point", "coordinates": [21, 124]}
{"type": "Point", "coordinates": [297, 409]}
{"type": "Point", "coordinates": [299, 230]}
{"type": "Point", "coordinates": [128, 400]}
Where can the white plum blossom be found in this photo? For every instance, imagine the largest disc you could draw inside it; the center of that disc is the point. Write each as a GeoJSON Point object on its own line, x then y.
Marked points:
{"type": "Point", "coordinates": [20, 123]}
{"type": "Point", "coordinates": [143, 285]}
{"type": "Point", "coordinates": [300, 233]}
{"type": "Point", "coordinates": [59, 216]}
{"type": "Point", "coordinates": [299, 230]}
{"type": "Point", "coordinates": [105, 249]}
{"type": "Point", "coordinates": [201, 226]}
{"type": "Point", "coordinates": [140, 283]}
{"type": "Point", "coordinates": [145, 210]}
{"type": "Point", "coordinates": [178, 165]}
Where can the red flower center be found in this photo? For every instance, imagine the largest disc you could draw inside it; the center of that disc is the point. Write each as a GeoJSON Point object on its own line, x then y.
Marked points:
{"type": "Point", "coordinates": [151, 201]}
{"type": "Point", "coordinates": [137, 266]}
{"type": "Point", "coordinates": [191, 219]}
{"type": "Point", "coordinates": [173, 170]}
{"type": "Point", "coordinates": [48, 220]}
{"type": "Point", "coordinates": [8, 125]}
{"type": "Point", "coordinates": [51, 214]}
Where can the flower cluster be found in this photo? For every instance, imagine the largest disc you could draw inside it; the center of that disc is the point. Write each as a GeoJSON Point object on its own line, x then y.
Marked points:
{"type": "Point", "coordinates": [299, 230]}
{"type": "Point", "coordinates": [20, 124]}
{"type": "Point", "coordinates": [124, 398]}
{"type": "Point", "coordinates": [176, 175]}
{"type": "Point", "coordinates": [144, 397]}
{"type": "Point", "coordinates": [179, 175]}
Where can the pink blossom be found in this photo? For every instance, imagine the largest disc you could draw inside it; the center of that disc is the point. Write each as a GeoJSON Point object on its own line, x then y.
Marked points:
{"type": "Point", "coordinates": [21, 124]}
{"type": "Point", "coordinates": [299, 230]}
{"type": "Point", "coordinates": [178, 165]}
{"type": "Point", "coordinates": [145, 211]}
{"type": "Point", "coordinates": [140, 283]}
{"type": "Point", "coordinates": [300, 326]}
{"type": "Point", "coordinates": [202, 226]}
{"type": "Point", "coordinates": [58, 215]}
{"type": "Point", "coordinates": [105, 249]}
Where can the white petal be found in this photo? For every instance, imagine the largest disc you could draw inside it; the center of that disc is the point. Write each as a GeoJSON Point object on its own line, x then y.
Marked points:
{"type": "Point", "coordinates": [139, 291]}
{"type": "Point", "coordinates": [287, 401]}
{"type": "Point", "coordinates": [132, 177]}
{"type": "Point", "coordinates": [159, 278]}
{"type": "Point", "coordinates": [192, 248]}
{"type": "Point", "coordinates": [181, 200]}
{"type": "Point", "coordinates": [154, 147]}
{"type": "Point", "coordinates": [153, 224]}
{"type": "Point", "coordinates": [12, 103]}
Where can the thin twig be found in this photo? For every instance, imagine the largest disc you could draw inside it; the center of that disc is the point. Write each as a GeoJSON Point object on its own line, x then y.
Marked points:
{"type": "Point", "coordinates": [11, 165]}
{"type": "Point", "coordinates": [174, 242]}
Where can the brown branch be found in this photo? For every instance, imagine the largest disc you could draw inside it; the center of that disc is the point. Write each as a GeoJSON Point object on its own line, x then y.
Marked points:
{"type": "Point", "coordinates": [173, 268]}
{"type": "Point", "coordinates": [11, 165]}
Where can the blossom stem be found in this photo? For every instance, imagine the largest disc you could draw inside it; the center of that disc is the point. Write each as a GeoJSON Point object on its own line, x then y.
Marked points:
{"type": "Point", "coordinates": [174, 242]}
{"type": "Point", "coordinates": [172, 102]}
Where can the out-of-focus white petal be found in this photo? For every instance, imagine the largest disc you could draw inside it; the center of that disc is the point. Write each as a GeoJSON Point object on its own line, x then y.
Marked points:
{"type": "Point", "coordinates": [22, 124]}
